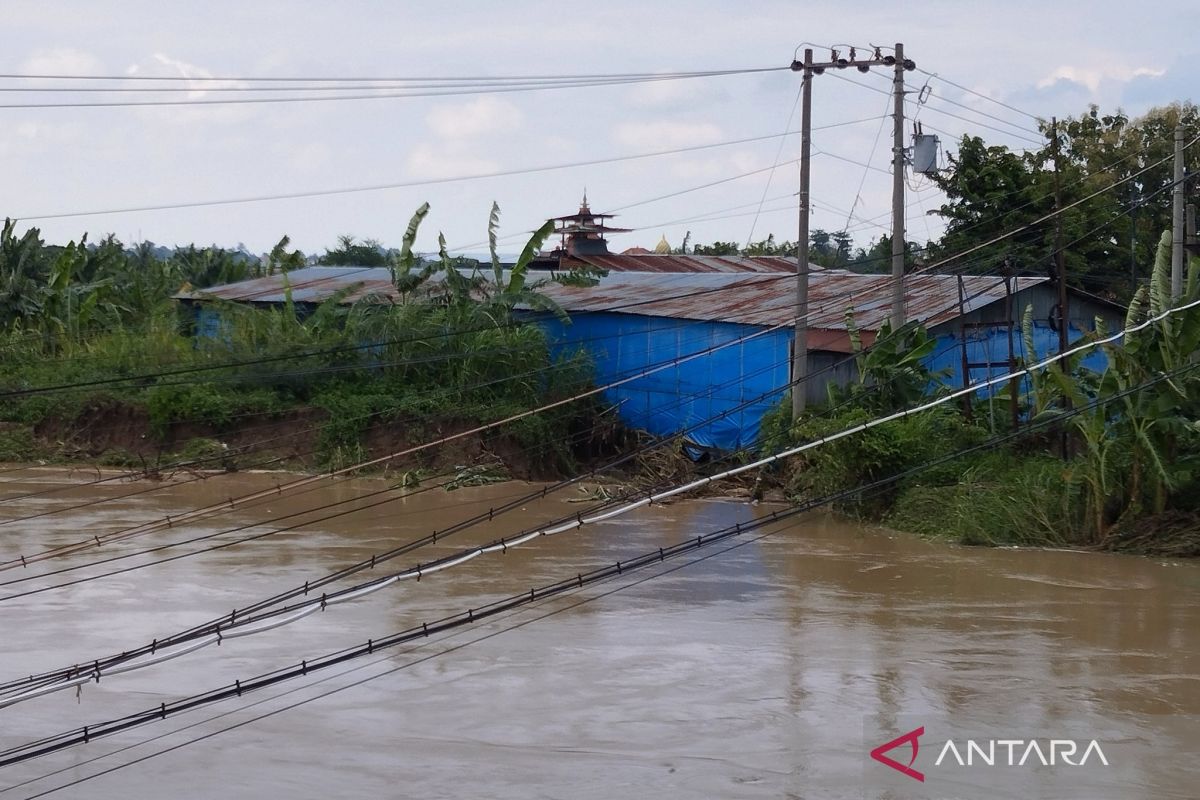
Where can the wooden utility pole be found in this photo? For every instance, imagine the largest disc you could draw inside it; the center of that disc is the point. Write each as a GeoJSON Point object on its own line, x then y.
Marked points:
{"type": "Point", "coordinates": [898, 192]}
{"type": "Point", "coordinates": [800, 346]}
{"type": "Point", "coordinates": [808, 68]}
{"type": "Point", "coordinates": [1177, 219]}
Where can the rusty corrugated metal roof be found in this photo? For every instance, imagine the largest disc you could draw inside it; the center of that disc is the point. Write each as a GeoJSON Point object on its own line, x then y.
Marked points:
{"type": "Point", "coordinates": [770, 299]}
{"type": "Point", "coordinates": [655, 262]}
{"type": "Point", "coordinates": [751, 299]}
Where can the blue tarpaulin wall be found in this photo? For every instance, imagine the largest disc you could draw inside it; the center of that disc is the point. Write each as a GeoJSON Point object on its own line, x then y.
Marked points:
{"type": "Point", "coordinates": [680, 397]}
{"type": "Point", "coordinates": [684, 396]}
{"type": "Point", "coordinates": [991, 345]}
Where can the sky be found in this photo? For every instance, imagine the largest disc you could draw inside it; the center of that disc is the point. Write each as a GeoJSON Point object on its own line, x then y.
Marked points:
{"type": "Point", "coordinates": [1051, 57]}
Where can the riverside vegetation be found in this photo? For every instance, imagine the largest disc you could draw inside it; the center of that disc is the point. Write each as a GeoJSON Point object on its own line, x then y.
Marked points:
{"type": "Point", "coordinates": [1131, 480]}
{"type": "Point", "coordinates": [327, 387]}
{"type": "Point", "coordinates": [296, 384]}
{"type": "Point", "coordinates": [291, 386]}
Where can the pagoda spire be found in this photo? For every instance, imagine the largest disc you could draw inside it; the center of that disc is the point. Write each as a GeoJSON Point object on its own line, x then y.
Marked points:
{"type": "Point", "coordinates": [583, 232]}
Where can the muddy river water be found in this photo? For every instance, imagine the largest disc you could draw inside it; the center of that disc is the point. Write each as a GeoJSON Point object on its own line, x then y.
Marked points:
{"type": "Point", "coordinates": [769, 669]}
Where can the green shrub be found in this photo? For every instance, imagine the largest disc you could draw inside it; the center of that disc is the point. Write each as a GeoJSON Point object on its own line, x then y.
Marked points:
{"type": "Point", "coordinates": [998, 501]}
{"type": "Point", "coordinates": [18, 443]}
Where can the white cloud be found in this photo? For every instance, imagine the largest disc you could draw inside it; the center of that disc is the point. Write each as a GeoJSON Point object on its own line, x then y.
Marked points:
{"type": "Point", "coordinates": [1092, 77]}
{"type": "Point", "coordinates": [61, 61]}
{"type": "Point", "coordinates": [475, 118]}
{"type": "Point", "coordinates": [308, 157]}
{"type": "Point", "coordinates": [667, 93]}
{"type": "Point", "coordinates": [665, 134]}
{"type": "Point", "coordinates": [441, 161]}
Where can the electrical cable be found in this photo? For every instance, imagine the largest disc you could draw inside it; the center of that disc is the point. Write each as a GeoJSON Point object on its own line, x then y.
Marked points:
{"type": "Point", "coordinates": [936, 76]}
{"type": "Point", "coordinates": [357, 86]}
{"type": "Point", "coordinates": [300, 482]}
{"type": "Point", "coordinates": [937, 110]}
{"type": "Point", "coordinates": [380, 95]}
{"type": "Point", "coordinates": [787, 125]}
{"type": "Point", "coordinates": [83, 545]}
{"type": "Point", "coordinates": [378, 558]}
{"type": "Point", "coordinates": [402, 184]}
{"type": "Point", "coordinates": [987, 383]}
{"type": "Point", "coordinates": [252, 446]}
{"type": "Point", "coordinates": [451, 560]}
{"type": "Point", "coordinates": [866, 168]}
{"type": "Point", "coordinates": [87, 733]}
{"type": "Point", "coordinates": [1045, 217]}
{"type": "Point", "coordinates": [383, 79]}
{"type": "Point", "coordinates": [689, 190]}
{"type": "Point", "coordinates": [451, 476]}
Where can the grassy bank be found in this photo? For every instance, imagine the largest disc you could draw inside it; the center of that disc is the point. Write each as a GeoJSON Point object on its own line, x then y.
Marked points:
{"type": "Point", "coordinates": [1128, 479]}
{"type": "Point", "coordinates": [99, 363]}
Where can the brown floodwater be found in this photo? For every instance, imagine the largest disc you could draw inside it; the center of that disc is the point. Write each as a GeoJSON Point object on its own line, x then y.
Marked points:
{"type": "Point", "coordinates": [766, 670]}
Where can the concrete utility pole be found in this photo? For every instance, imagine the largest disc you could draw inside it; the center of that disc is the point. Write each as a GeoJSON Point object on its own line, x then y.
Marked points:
{"type": "Point", "coordinates": [808, 68]}
{"type": "Point", "coordinates": [1060, 262]}
{"type": "Point", "coordinates": [1177, 219]}
{"type": "Point", "coordinates": [800, 347]}
{"type": "Point", "coordinates": [1060, 256]}
{"type": "Point", "coordinates": [898, 192]}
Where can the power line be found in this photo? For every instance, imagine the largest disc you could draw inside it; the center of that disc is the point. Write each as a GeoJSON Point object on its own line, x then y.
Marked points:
{"type": "Point", "coordinates": [311, 586]}
{"type": "Point", "coordinates": [385, 79]}
{"type": "Point", "coordinates": [450, 475]}
{"type": "Point", "coordinates": [84, 735]}
{"type": "Point", "coordinates": [1036, 223]}
{"type": "Point", "coordinates": [867, 165]}
{"type": "Point", "coordinates": [937, 110]}
{"type": "Point", "coordinates": [690, 189]}
{"type": "Point", "coordinates": [973, 110]}
{"type": "Point", "coordinates": [936, 76]}
{"type": "Point", "coordinates": [233, 502]}
{"type": "Point", "coordinates": [787, 125]}
{"type": "Point", "coordinates": [308, 587]}
{"type": "Point", "coordinates": [343, 87]}
{"type": "Point", "coordinates": [402, 184]}
{"type": "Point", "coordinates": [224, 101]}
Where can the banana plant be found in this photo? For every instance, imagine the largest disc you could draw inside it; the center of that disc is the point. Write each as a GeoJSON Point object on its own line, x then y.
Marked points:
{"type": "Point", "coordinates": [892, 374]}
{"type": "Point", "coordinates": [409, 273]}
{"type": "Point", "coordinates": [515, 289]}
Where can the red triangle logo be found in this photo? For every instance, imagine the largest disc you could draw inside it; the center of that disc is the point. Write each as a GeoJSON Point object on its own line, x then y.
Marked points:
{"type": "Point", "coordinates": [910, 738]}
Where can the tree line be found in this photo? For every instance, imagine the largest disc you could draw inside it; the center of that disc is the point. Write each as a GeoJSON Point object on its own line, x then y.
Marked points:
{"type": "Point", "coordinates": [1109, 240]}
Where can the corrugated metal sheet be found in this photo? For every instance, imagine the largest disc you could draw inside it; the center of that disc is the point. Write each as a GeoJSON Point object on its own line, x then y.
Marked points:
{"type": "Point", "coordinates": [770, 300]}
{"type": "Point", "coordinates": [653, 262]}
{"type": "Point", "coordinates": [762, 299]}
{"type": "Point", "coordinates": [308, 285]}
